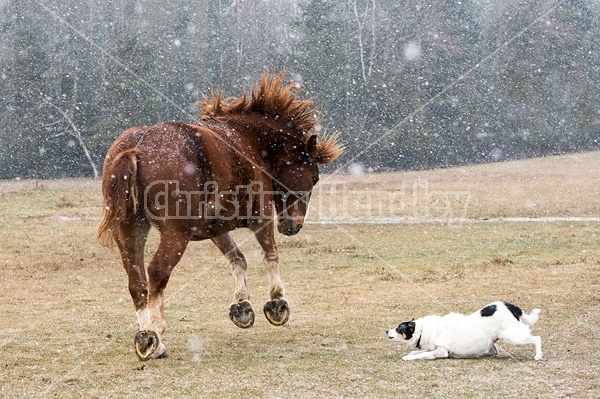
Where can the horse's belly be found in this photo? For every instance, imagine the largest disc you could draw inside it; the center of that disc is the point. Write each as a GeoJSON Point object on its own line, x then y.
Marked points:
{"type": "Point", "coordinates": [213, 228]}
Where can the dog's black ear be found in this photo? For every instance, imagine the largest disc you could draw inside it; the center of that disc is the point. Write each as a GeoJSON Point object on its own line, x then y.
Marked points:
{"type": "Point", "coordinates": [406, 329]}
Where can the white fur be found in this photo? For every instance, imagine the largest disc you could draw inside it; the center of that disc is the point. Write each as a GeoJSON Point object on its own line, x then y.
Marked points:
{"type": "Point", "coordinates": [468, 336]}
{"type": "Point", "coordinates": [143, 316]}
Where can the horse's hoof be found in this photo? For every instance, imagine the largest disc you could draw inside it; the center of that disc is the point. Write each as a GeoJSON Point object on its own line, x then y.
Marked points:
{"type": "Point", "coordinates": [277, 312]}
{"type": "Point", "coordinates": [148, 346]}
{"type": "Point", "coordinates": [242, 314]}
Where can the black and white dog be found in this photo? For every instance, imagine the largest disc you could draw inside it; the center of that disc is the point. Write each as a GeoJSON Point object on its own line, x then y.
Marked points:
{"type": "Point", "coordinates": [459, 336]}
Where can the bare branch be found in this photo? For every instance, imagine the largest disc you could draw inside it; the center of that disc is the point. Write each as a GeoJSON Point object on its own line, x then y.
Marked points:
{"type": "Point", "coordinates": [360, 41]}
{"type": "Point", "coordinates": [76, 133]}
{"type": "Point", "coordinates": [373, 40]}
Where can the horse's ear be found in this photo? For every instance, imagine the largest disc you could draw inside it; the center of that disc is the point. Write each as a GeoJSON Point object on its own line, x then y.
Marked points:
{"type": "Point", "coordinates": [311, 146]}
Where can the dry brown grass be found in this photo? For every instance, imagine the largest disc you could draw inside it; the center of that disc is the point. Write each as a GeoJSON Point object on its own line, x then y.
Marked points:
{"type": "Point", "coordinates": [67, 323]}
{"type": "Point", "coordinates": [552, 186]}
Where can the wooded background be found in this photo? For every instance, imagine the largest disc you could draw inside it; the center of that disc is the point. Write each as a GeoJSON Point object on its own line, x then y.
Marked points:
{"type": "Point", "coordinates": [410, 84]}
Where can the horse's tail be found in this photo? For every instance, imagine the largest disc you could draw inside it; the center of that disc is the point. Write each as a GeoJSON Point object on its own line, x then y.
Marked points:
{"type": "Point", "coordinates": [120, 192]}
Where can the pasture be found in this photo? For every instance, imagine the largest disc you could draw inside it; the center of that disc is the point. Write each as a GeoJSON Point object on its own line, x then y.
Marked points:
{"type": "Point", "coordinates": [377, 249]}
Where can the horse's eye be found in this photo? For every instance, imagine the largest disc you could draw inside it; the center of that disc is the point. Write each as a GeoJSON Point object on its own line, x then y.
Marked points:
{"type": "Point", "coordinates": [315, 180]}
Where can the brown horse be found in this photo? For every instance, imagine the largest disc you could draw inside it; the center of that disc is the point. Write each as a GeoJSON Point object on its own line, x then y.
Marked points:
{"type": "Point", "coordinates": [247, 161]}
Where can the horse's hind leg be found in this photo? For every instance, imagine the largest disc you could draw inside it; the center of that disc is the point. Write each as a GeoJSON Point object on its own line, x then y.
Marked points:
{"type": "Point", "coordinates": [240, 312]}
{"type": "Point", "coordinates": [276, 310]}
{"type": "Point", "coordinates": [148, 341]}
{"type": "Point", "coordinates": [130, 237]}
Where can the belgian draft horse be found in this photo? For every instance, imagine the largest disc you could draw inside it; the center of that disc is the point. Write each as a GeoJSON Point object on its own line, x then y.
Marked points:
{"type": "Point", "coordinates": [246, 162]}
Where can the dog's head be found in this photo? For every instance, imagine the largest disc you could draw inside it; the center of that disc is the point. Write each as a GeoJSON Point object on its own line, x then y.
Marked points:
{"type": "Point", "coordinates": [404, 332]}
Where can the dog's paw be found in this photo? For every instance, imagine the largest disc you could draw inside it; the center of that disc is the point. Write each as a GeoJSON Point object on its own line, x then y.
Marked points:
{"type": "Point", "coordinates": [538, 357]}
{"type": "Point", "coordinates": [408, 357]}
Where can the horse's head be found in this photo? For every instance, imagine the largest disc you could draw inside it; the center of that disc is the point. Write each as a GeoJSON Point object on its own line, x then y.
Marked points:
{"type": "Point", "coordinates": [281, 123]}
{"type": "Point", "coordinates": [295, 178]}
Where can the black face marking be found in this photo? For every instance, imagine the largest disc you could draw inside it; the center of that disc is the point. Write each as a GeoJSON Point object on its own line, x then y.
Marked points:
{"type": "Point", "coordinates": [488, 311]}
{"type": "Point", "coordinates": [515, 310]}
{"type": "Point", "coordinates": [406, 330]}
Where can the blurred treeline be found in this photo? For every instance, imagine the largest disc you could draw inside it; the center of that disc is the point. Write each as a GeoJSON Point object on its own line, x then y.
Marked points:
{"type": "Point", "coordinates": [409, 84]}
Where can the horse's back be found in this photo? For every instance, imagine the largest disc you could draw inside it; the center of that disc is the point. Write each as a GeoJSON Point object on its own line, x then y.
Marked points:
{"type": "Point", "coordinates": [176, 150]}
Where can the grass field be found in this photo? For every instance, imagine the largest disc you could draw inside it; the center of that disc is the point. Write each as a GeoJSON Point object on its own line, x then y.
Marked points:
{"type": "Point", "coordinates": [380, 249]}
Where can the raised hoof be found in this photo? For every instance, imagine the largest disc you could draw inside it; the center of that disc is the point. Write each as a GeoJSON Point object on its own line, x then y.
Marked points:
{"type": "Point", "coordinates": [242, 314]}
{"type": "Point", "coordinates": [148, 346]}
{"type": "Point", "coordinates": [277, 312]}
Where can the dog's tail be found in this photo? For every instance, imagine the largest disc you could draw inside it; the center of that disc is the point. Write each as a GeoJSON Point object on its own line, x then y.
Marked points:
{"type": "Point", "coordinates": [531, 318]}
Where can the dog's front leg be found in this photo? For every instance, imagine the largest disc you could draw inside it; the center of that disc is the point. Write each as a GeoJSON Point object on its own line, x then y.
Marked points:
{"type": "Point", "coordinates": [438, 353]}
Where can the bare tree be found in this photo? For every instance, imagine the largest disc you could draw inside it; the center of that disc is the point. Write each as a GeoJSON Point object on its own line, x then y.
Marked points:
{"type": "Point", "coordinates": [73, 131]}
{"type": "Point", "coordinates": [366, 70]}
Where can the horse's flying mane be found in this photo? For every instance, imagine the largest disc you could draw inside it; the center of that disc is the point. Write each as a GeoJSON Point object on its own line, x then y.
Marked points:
{"type": "Point", "coordinates": [271, 97]}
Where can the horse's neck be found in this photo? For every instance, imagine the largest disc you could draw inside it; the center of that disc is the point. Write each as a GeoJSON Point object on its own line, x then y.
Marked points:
{"type": "Point", "coordinates": [268, 136]}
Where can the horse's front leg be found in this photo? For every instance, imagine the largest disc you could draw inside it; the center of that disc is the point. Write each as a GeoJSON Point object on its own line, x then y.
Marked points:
{"type": "Point", "coordinates": [240, 312]}
{"type": "Point", "coordinates": [148, 341]}
{"type": "Point", "coordinates": [276, 310]}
